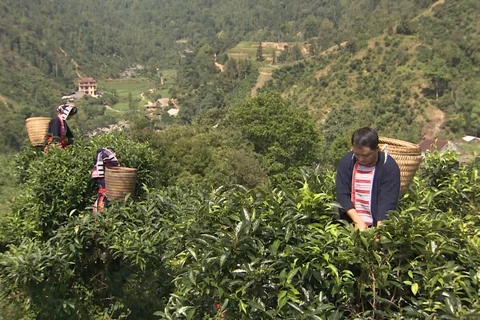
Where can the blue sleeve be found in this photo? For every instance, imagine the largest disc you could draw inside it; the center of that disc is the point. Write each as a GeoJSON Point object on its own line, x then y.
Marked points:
{"type": "Point", "coordinates": [69, 133]}
{"type": "Point", "coordinates": [389, 189]}
{"type": "Point", "coordinates": [343, 182]}
{"type": "Point", "coordinates": [54, 129]}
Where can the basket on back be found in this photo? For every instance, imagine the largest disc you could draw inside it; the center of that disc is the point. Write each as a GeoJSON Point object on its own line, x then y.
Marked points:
{"type": "Point", "coordinates": [120, 181]}
{"type": "Point", "coordinates": [408, 157]}
{"type": "Point", "coordinates": [37, 128]}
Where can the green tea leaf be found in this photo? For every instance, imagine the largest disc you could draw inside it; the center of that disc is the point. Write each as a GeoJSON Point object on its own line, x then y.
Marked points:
{"type": "Point", "coordinates": [414, 288]}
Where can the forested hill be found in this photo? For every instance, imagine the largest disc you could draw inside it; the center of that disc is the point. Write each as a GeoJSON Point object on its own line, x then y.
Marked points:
{"type": "Point", "coordinates": [397, 59]}
{"type": "Point", "coordinates": [419, 77]}
{"type": "Point", "coordinates": [233, 213]}
{"type": "Point", "coordinates": [62, 39]}
{"type": "Point", "coordinates": [409, 75]}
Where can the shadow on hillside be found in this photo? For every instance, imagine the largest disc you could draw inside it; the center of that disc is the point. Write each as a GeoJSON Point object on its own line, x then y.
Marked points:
{"type": "Point", "coordinates": [428, 93]}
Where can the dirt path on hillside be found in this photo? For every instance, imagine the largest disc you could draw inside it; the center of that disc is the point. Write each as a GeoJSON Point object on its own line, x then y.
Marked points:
{"type": "Point", "coordinates": [432, 128]}
{"type": "Point", "coordinates": [435, 4]}
{"type": "Point", "coordinates": [439, 117]}
{"type": "Point", "coordinates": [142, 97]}
{"type": "Point", "coordinates": [63, 51]}
{"type": "Point", "coordinates": [263, 77]}
{"type": "Point", "coordinates": [2, 99]}
{"type": "Point", "coordinates": [79, 74]}
{"type": "Point", "coordinates": [323, 72]}
{"type": "Point", "coordinates": [218, 65]}
{"type": "Point", "coordinates": [110, 108]}
{"type": "Point", "coordinates": [429, 10]}
{"type": "Point", "coordinates": [332, 49]}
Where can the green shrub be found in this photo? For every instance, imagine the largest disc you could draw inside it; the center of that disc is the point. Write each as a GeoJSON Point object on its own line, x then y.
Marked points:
{"type": "Point", "coordinates": [281, 255]}
{"type": "Point", "coordinates": [258, 254]}
{"type": "Point", "coordinates": [57, 183]}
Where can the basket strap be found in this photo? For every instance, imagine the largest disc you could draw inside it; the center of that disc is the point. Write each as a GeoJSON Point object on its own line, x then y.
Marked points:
{"type": "Point", "coordinates": [384, 149]}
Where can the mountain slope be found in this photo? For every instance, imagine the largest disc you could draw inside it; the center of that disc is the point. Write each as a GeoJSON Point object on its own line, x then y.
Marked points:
{"type": "Point", "coordinates": [47, 44]}
{"type": "Point", "coordinates": [415, 78]}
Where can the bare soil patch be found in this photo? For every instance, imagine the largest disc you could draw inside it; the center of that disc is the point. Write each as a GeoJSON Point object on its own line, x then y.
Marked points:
{"type": "Point", "coordinates": [334, 48]}
{"type": "Point", "coordinates": [432, 127]}
{"type": "Point", "coordinates": [263, 77]}
{"type": "Point", "coordinates": [323, 72]}
{"type": "Point", "coordinates": [429, 10]}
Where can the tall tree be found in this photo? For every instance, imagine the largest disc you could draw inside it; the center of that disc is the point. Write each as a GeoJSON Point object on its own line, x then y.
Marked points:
{"type": "Point", "coordinates": [296, 53]}
{"type": "Point", "coordinates": [437, 72]}
{"type": "Point", "coordinates": [284, 135]}
{"type": "Point", "coordinates": [131, 103]}
{"type": "Point", "coordinates": [260, 52]}
{"type": "Point", "coordinates": [311, 26]}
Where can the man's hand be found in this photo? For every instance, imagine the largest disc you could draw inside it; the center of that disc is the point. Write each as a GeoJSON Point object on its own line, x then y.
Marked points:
{"type": "Point", "coordinates": [379, 223]}
{"type": "Point", "coordinates": [361, 225]}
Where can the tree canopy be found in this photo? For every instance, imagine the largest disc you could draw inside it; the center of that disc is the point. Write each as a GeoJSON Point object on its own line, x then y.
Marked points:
{"type": "Point", "coordinates": [283, 134]}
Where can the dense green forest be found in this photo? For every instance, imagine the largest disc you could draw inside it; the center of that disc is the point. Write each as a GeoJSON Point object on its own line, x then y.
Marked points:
{"type": "Point", "coordinates": [409, 65]}
{"type": "Point", "coordinates": [233, 214]}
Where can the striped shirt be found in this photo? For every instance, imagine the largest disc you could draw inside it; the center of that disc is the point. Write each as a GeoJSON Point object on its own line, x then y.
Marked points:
{"type": "Point", "coordinates": [362, 184]}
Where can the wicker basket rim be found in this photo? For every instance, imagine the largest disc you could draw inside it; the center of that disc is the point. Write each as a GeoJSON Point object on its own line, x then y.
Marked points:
{"type": "Point", "coordinates": [36, 119]}
{"type": "Point", "coordinates": [121, 169]}
{"type": "Point", "coordinates": [408, 157]}
{"type": "Point", "coordinates": [397, 142]}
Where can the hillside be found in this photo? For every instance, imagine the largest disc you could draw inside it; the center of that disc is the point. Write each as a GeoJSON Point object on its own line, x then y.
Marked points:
{"type": "Point", "coordinates": [418, 78]}
{"type": "Point", "coordinates": [104, 37]}
{"type": "Point", "coordinates": [48, 44]}
{"type": "Point", "coordinates": [234, 211]}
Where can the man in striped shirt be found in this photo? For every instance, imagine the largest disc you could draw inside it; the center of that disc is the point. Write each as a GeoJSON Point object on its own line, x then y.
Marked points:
{"type": "Point", "coordinates": [368, 181]}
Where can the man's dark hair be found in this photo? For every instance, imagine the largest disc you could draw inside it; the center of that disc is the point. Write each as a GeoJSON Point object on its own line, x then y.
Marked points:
{"type": "Point", "coordinates": [365, 137]}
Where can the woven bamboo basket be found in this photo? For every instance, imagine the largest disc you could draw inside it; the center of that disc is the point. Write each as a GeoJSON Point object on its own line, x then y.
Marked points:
{"type": "Point", "coordinates": [408, 157]}
{"type": "Point", "coordinates": [120, 181]}
{"type": "Point", "coordinates": [37, 128]}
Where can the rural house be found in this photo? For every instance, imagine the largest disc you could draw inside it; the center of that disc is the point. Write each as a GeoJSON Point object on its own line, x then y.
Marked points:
{"type": "Point", "coordinates": [87, 86]}
{"type": "Point", "coordinates": [442, 146]}
{"type": "Point", "coordinates": [470, 139]}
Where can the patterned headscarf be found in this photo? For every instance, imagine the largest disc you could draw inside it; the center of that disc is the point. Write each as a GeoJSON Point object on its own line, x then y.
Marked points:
{"type": "Point", "coordinates": [66, 110]}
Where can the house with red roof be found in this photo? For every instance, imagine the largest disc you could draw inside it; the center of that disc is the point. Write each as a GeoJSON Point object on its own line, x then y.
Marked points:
{"type": "Point", "coordinates": [87, 86]}
{"type": "Point", "coordinates": [427, 145]}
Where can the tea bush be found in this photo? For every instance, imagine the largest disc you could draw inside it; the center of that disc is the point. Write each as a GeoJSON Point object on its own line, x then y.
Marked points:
{"type": "Point", "coordinates": [58, 183]}
{"type": "Point", "coordinates": [238, 253]}
{"type": "Point", "coordinates": [275, 256]}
